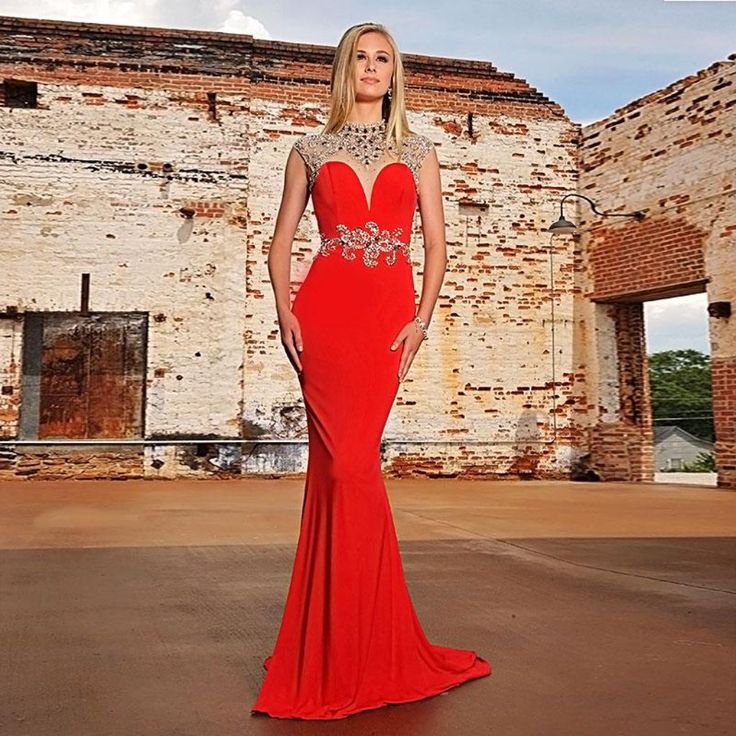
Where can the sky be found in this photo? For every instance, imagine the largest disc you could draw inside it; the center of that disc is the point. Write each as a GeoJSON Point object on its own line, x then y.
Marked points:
{"type": "Point", "coordinates": [679, 323]}
{"type": "Point", "coordinates": [590, 57]}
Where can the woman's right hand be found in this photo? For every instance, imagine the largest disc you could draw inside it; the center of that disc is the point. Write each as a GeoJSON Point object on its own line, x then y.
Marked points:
{"type": "Point", "coordinates": [291, 338]}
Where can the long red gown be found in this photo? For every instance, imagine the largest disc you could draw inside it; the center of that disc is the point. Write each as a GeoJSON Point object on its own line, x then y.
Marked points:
{"type": "Point", "coordinates": [350, 639]}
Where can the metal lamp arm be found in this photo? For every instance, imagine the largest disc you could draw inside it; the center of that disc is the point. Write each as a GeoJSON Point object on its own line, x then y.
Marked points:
{"type": "Point", "coordinates": [638, 214]}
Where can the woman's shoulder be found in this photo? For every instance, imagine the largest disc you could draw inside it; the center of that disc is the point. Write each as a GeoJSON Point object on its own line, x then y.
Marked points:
{"type": "Point", "coordinates": [414, 149]}
{"type": "Point", "coordinates": [311, 145]}
{"type": "Point", "coordinates": [305, 141]}
{"type": "Point", "coordinates": [314, 148]}
{"type": "Point", "coordinates": [419, 141]}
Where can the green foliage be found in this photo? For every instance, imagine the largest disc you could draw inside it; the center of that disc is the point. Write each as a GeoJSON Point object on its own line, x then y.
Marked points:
{"type": "Point", "coordinates": [681, 392]}
{"type": "Point", "coordinates": [705, 462]}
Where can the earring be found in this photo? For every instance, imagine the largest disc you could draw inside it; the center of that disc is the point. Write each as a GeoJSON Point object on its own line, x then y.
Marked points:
{"type": "Point", "coordinates": [388, 94]}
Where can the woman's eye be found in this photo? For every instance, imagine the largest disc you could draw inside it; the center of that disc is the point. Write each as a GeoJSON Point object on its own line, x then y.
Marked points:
{"type": "Point", "coordinates": [384, 59]}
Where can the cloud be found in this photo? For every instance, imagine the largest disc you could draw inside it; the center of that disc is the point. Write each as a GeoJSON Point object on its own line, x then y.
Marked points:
{"type": "Point", "coordinates": [238, 22]}
{"type": "Point", "coordinates": [217, 15]}
{"type": "Point", "coordinates": [129, 12]}
{"type": "Point", "coordinates": [678, 323]}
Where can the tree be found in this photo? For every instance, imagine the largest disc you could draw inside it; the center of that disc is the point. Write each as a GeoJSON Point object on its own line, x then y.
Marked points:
{"type": "Point", "coordinates": [681, 391]}
{"type": "Point", "coordinates": [705, 462]}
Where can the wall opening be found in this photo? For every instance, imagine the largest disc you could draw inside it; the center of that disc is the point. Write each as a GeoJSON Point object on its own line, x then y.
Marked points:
{"type": "Point", "coordinates": [18, 93]}
{"type": "Point", "coordinates": [681, 393]}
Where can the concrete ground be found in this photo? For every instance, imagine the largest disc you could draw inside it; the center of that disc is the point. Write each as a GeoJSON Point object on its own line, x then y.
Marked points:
{"type": "Point", "coordinates": [146, 608]}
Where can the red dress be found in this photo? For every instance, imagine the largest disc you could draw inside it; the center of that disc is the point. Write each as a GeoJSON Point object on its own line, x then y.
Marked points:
{"type": "Point", "coordinates": [349, 638]}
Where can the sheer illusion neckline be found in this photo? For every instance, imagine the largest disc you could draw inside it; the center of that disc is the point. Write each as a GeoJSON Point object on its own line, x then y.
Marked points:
{"type": "Point", "coordinates": [367, 197]}
{"type": "Point", "coordinates": [370, 133]}
{"type": "Point", "coordinates": [364, 149]}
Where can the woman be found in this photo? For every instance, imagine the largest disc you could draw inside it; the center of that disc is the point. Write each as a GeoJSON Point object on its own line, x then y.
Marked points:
{"type": "Point", "coordinates": [349, 638]}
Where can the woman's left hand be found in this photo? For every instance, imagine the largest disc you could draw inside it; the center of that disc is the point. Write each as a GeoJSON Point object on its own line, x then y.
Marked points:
{"type": "Point", "coordinates": [412, 336]}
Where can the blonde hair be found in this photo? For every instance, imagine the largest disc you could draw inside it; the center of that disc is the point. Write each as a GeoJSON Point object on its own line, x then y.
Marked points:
{"type": "Point", "coordinates": [342, 88]}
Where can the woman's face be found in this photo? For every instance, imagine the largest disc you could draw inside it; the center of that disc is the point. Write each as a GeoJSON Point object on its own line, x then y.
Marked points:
{"type": "Point", "coordinates": [373, 66]}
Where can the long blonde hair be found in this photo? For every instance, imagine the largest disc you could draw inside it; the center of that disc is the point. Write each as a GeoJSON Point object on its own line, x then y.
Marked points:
{"type": "Point", "coordinates": [342, 88]}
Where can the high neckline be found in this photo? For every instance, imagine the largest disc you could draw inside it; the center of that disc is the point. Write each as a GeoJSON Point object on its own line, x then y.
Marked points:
{"type": "Point", "coordinates": [365, 126]}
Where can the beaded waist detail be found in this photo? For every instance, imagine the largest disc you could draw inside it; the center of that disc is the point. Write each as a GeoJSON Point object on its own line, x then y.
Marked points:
{"type": "Point", "coordinates": [370, 239]}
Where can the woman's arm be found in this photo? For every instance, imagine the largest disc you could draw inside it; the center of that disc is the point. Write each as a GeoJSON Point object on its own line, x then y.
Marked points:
{"type": "Point", "coordinates": [432, 213]}
{"type": "Point", "coordinates": [433, 229]}
{"type": "Point", "coordinates": [293, 203]}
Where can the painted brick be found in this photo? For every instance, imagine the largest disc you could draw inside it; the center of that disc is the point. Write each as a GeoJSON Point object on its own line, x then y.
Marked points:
{"type": "Point", "coordinates": [671, 155]}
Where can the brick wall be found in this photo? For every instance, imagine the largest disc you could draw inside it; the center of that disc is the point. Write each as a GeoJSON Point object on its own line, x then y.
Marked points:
{"type": "Point", "coordinates": [86, 188]}
{"type": "Point", "coordinates": [669, 154]}
{"type": "Point", "coordinates": [139, 129]}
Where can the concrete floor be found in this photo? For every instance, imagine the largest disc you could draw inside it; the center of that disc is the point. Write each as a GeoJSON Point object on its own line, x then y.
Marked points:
{"type": "Point", "coordinates": [136, 608]}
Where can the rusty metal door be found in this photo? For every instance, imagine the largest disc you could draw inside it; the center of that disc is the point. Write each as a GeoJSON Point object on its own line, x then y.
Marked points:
{"type": "Point", "coordinates": [92, 375]}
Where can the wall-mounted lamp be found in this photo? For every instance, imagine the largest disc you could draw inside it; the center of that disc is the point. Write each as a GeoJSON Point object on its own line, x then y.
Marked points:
{"type": "Point", "coordinates": [565, 226]}
{"type": "Point", "coordinates": [719, 310]}
{"type": "Point", "coordinates": [187, 212]}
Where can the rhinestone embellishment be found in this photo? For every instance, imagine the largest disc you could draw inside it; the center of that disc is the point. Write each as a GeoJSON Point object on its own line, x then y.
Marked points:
{"type": "Point", "coordinates": [366, 143]}
{"type": "Point", "coordinates": [370, 239]}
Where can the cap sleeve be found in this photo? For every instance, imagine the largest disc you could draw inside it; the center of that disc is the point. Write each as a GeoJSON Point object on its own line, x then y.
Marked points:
{"type": "Point", "coordinates": [415, 149]}
{"type": "Point", "coordinates": [307, 148]}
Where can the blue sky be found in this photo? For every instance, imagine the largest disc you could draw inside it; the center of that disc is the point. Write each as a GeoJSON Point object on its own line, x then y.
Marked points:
{"type": "Point", "coordinates": [590, 57]}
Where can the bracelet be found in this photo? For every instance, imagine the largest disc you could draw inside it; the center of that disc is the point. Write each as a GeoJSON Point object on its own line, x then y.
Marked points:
{"type": "Point", "coordinates": [422, 326]}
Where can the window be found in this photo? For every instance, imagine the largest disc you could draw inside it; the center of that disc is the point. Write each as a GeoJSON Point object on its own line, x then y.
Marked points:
{"type": "Point", "coordinates": [17, 93]}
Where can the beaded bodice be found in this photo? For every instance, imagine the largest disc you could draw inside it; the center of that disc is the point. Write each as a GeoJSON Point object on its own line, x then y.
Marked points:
{"type": "Point", "coordinates": [364, 146]}
{"type": "Point", "coordinates": [364, 190]}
